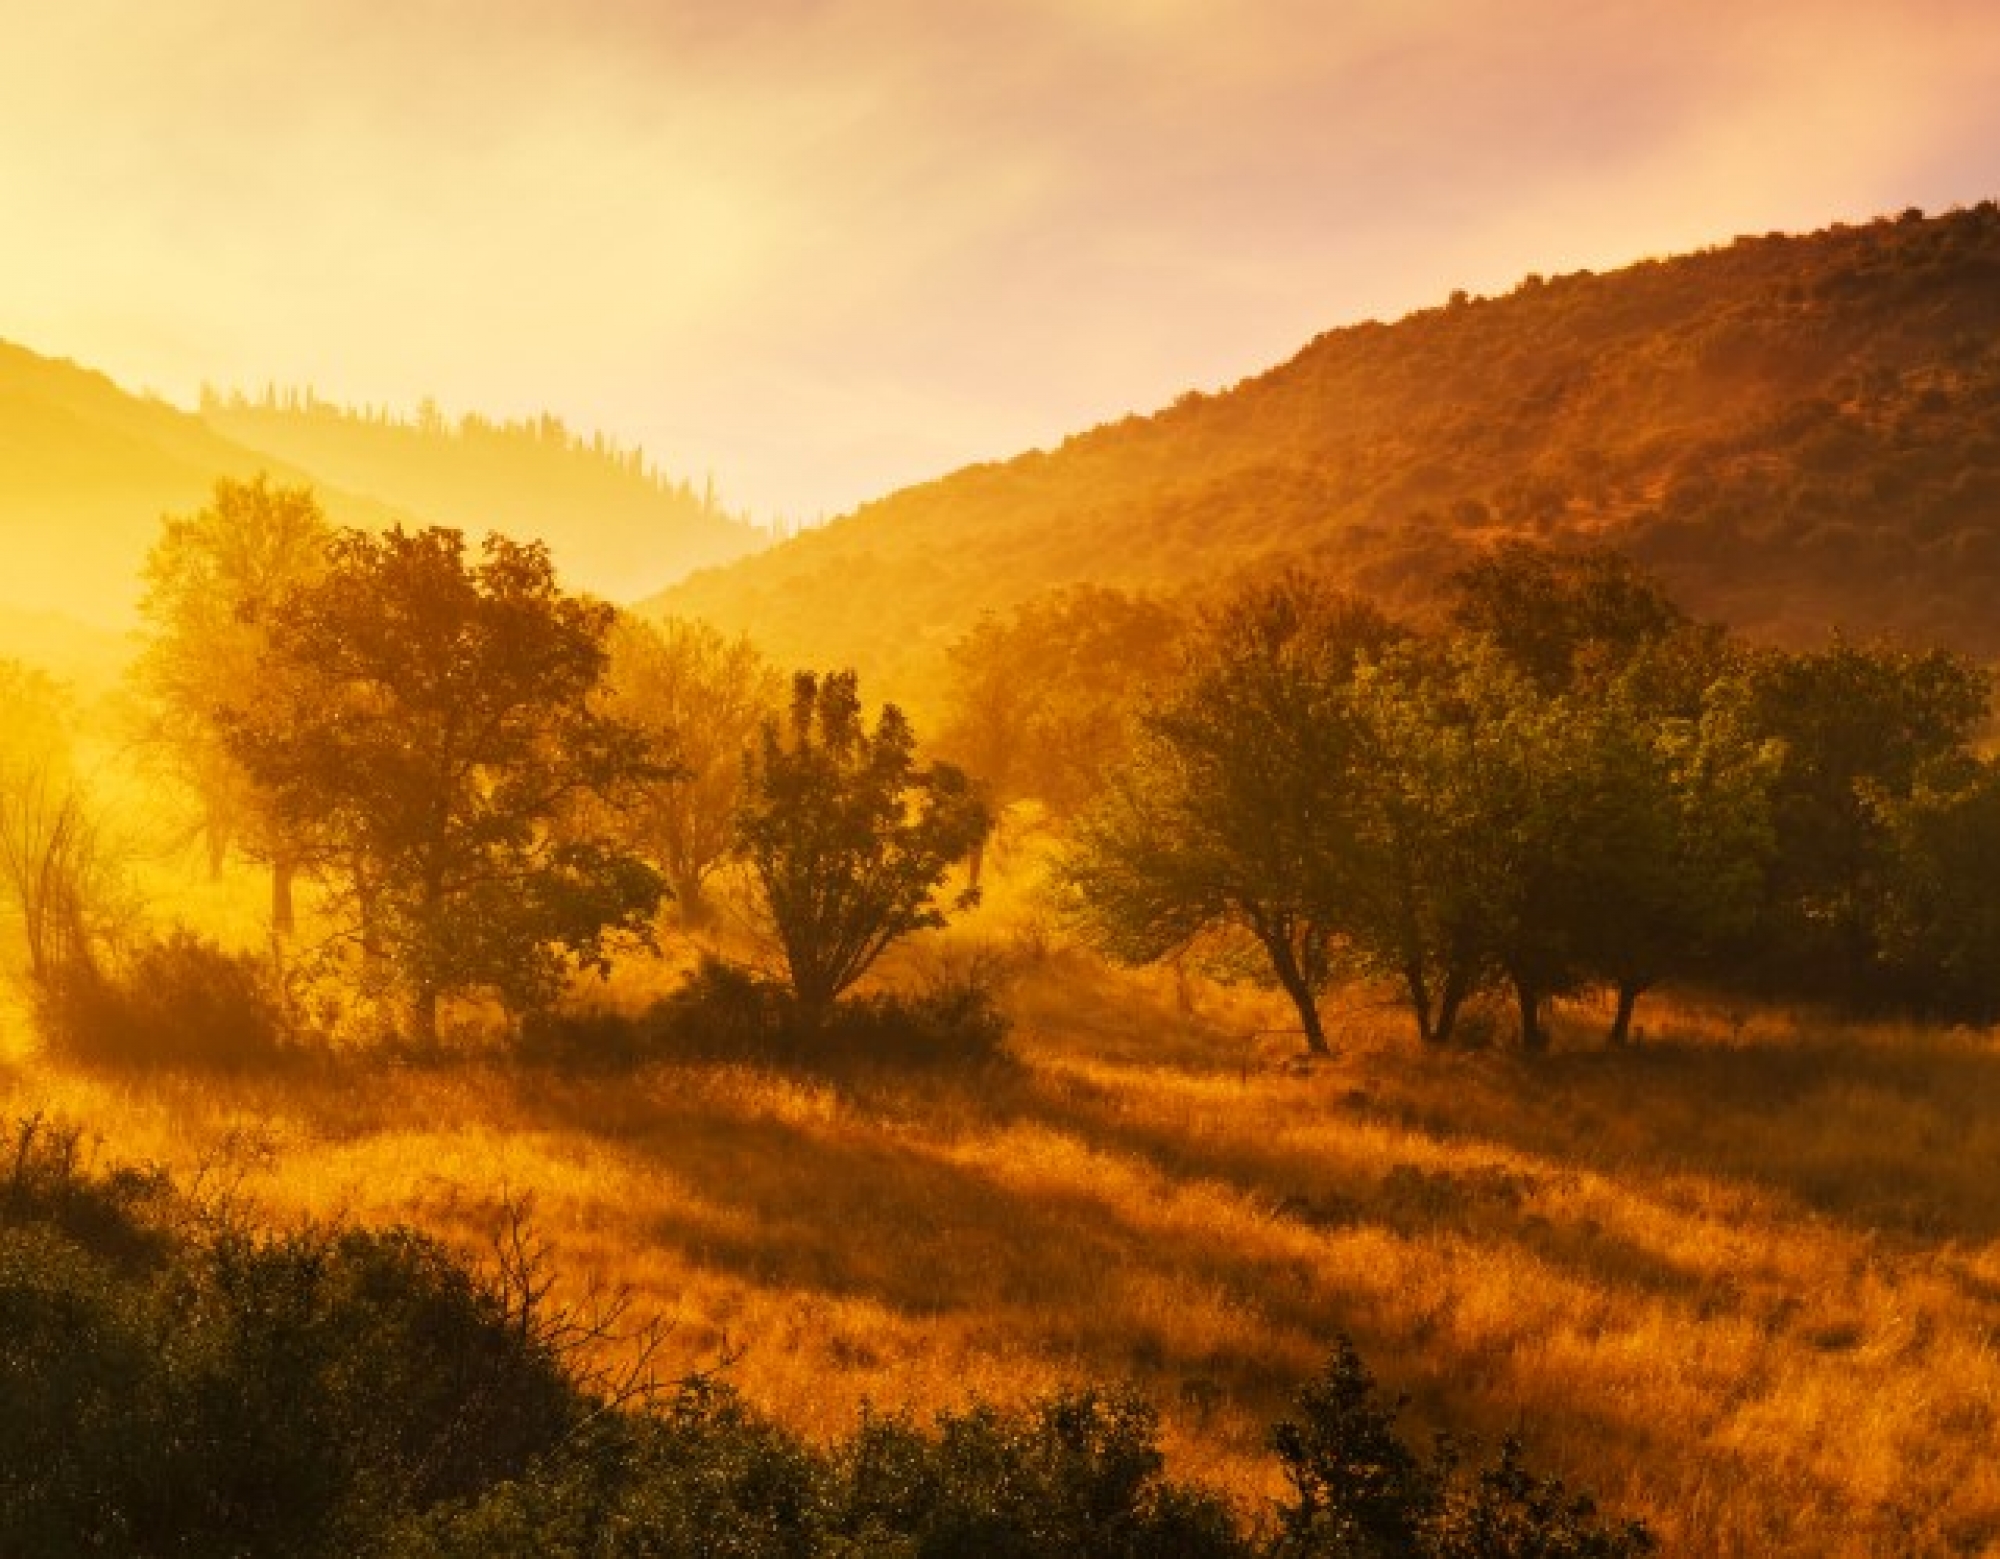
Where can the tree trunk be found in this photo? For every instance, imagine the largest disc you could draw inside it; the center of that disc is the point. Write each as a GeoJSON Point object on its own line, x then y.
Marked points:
{"type": "Point", "coordinates": [1450, 1000]}
{"type": "Point", "coordinates": [1420, 1004]}
{"type": "Point", "coordinates": [283, 921]}
{"type": "Point", "coordinates": [1285, 965]}
{"type": "Point", "coordinates": [974, 864]}
{"type": "Point", "coordinates": [689, 903]}
{"type": "Point", "coordinates": [1534, 1038]}
{"type": "Point", "coordinates": [217, 838]}
{"type": "Point", "coordinates": [1629, 992]}
{"type": "Point", "coordinates": [424, 1017]}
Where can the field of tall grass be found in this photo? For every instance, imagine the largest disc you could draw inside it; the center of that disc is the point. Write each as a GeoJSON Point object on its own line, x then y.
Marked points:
{"type": "Point", "coordinates": [1742, 1281]}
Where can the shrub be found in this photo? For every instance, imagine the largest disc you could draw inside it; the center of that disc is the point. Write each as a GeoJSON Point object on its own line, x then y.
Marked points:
{"type": "Point", "coordinates": [1079, 1474]}
{"type": "Point", "coordinates": [329, 1391]}
{"type": "Point", "coordinates": [181, 1000]}
{"type": "Point", "coordinates": [1359, 1492]}
{"type": "Point", "coordinates": [726, 1013]}
{"type": "Point", "coordinates": [174, 1391]}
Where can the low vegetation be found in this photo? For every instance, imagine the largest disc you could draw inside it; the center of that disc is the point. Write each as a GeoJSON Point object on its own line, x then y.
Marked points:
{"type": "Point", "coordinates": [191, 1384]}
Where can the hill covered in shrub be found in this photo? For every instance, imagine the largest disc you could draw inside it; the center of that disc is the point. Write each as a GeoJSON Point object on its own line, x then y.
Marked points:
{"type": "Point", "coordinates": [1792, 431]}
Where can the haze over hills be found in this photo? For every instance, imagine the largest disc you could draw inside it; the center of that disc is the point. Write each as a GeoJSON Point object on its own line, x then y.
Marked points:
{"type": "Point", "coordinates": [87, 469]}
{"type": "Point", "coordinates": [617, 525]}
{"type": "Point", "coordinates": [1794, 431]}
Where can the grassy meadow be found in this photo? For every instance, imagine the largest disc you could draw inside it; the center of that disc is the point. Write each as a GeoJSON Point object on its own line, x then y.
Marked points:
{"type": "Point", "coordinates": [1742, 1281]}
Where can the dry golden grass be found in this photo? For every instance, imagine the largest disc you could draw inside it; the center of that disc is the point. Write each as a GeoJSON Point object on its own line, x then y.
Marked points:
{"type": "Point", "coordinates": [1743, 1281]}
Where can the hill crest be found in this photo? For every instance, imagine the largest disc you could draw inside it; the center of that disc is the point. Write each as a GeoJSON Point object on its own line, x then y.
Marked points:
{"type": "Point", "coordinates": [1794, 431]}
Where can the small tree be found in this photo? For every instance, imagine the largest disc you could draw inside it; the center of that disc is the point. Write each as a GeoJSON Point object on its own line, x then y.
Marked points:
{"type": "Point", "coordinates": [846, 837]}
{"type": "Point", "coordinates": [213, 581]}
{"type": "Point", "coordinates": [700, 698]}
{"type": "Point", "coordinates": [59, 865]}
{"type": "Point", "coordinates": [1236, 817]}
{"type": "Point", "coordinates": [1936, 916]}
{"type": "Point", "coordinates": [1859, 725]}
{"type": "Point", "coordinates": [1041, 703]}
{"type": "Point", "coordinates": [446, 732]}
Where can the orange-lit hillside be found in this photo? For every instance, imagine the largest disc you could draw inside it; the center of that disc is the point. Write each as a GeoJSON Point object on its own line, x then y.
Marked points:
{"type": "Point", "coordinates": [1793, 431]}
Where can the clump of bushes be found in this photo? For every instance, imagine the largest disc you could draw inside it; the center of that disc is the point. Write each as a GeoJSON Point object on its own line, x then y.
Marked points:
{"type": "Point", "coordinates": [177, 1000]}
{"type": "Point", "coordinates": [726, 1013]}
{"type": "Point", "coordinates": [174, 1384]}
{"type": "Point", "coordinates": [1360, 1491]}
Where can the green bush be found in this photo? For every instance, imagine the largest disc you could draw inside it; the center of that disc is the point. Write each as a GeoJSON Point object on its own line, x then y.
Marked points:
{"type": "Point", "coordinates": [237, 1392]}
{"type": "Point", "coordinates": [1359, 1492]}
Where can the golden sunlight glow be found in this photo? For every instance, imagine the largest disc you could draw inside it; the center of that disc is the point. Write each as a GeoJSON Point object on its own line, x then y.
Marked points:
{"type": "Point", "coordinates": [828, 249]}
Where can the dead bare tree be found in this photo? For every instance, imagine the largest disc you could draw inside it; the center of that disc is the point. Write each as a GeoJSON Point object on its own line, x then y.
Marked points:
{"type": "Point", "coordinates": [61, 867]}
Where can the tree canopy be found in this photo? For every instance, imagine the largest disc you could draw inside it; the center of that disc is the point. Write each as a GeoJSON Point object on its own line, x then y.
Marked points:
{"type": "Point", "coordinates": [847, 838]}
{"type": "Point", "coordinates": [448, 726]}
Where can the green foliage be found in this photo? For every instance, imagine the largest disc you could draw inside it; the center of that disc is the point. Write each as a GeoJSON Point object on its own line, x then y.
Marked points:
{"type": "Point", "coordinates": [1235, 818]}
{"type": "Point", "coordinates": [846, 837]}
{"type": "Point", "coordinates": [1562, 619]}
{"type": "Point", "coordinates": [1573, 793]}
{"type": "Point", "coordinates": [238, 1392]}
{"type": "Point", "coordinates": [1861, 727]}
{"type": "Point", "coordinates": [1079, 1474]}
{"type": "Point", "coordinates": [1935, 918]}
{"type": "Point", "coordinates": [444, 731]}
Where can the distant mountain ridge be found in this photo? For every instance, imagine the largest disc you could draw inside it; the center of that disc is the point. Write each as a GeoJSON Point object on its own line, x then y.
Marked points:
{"type": "Point", "coordinates": [617, 525]}
{"type": "Point", "coordinates": [1794, 431]}
{"type": "Point", "coordinates": [87, 469]}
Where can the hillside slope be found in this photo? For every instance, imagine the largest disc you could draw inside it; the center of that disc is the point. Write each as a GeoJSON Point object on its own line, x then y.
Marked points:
{"type": "Point", "coordinates": [86, 471]}
{"type": "Point", "coordinates": [1795, 431]}
{"type": "Point", "coordinates": [616, 525]}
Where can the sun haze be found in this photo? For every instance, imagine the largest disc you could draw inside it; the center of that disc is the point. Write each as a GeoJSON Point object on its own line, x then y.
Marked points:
{"type": "Point", "coordinates": [828, 249]}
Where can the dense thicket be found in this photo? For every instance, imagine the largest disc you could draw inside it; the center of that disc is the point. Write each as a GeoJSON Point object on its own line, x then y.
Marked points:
{"type": "Point", "coordinates": [175, 1381]}
{"type": "Point", "coordinates": [1573, 787]}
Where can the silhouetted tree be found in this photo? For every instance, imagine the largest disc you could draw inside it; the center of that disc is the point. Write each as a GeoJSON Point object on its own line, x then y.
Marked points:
{"type": "Point", "coordinates": [847, 838]}
{"type": "Point", "coordinates": [448, 726]}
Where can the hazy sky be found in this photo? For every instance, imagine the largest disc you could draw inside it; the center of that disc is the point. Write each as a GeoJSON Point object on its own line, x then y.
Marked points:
{"type": "Point", "coordinates": [825, 249]}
